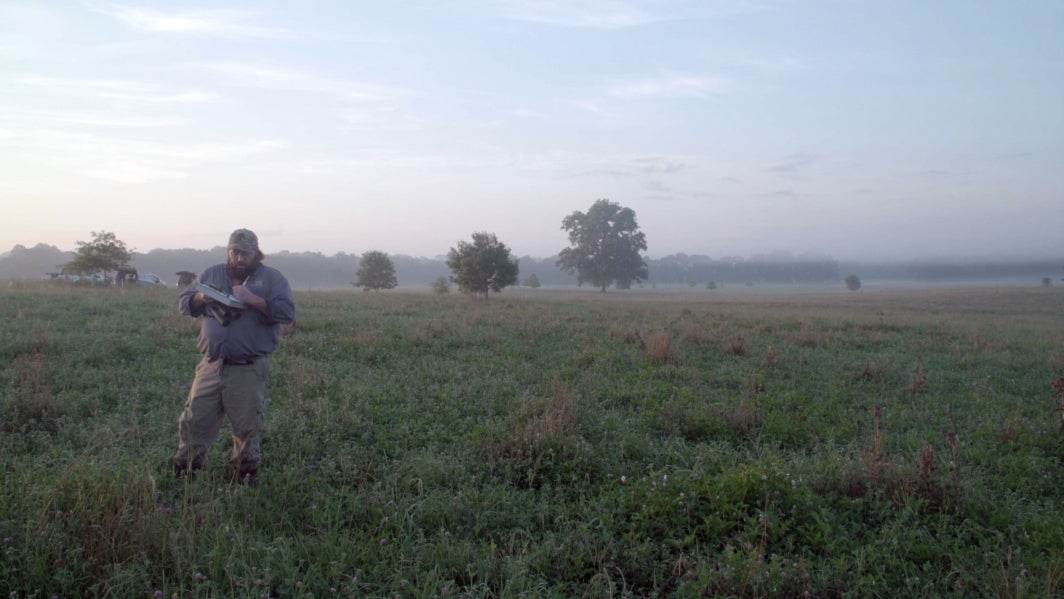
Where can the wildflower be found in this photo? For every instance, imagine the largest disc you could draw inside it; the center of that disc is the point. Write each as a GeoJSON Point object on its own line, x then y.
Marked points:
{"type": "Point", "coordinates": [624, 479]}
{"type": "Point", "coordinates": [157, 593]}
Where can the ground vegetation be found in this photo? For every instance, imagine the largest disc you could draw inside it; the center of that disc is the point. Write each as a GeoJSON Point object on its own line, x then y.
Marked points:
{"type": "Point", "coordinates": [670, 444]}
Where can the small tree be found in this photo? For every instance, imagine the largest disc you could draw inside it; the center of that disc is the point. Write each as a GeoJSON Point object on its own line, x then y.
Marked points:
{"type": "Point", "coordinates": [532, 281]}
{"type": "Point", "coordinates": [376, 271]}
{"type": "Point", "coordinates": [605, 244]}
{"type": "Point", "coordinates": [103, 254]}
{"type": "Point", "coordinates": [441, 285]}
{"type": "Point", "coordinates": [482, 266]}
{"type": "Point", "coordinates": [852, 282]}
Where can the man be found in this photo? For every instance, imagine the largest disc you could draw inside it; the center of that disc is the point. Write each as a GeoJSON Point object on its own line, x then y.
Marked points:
{"type": "Point", "coordinates": [235, 344]}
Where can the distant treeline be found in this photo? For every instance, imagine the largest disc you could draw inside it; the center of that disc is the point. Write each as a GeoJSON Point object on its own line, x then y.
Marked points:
{"type": "Point", "coordinates": [683, 269]}
{"type": "Point", "coordinates": [314, 270]}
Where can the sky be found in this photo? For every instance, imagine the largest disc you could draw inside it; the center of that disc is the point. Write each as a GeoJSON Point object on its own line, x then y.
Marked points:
{"type": "Point", "coordinates": [854, 129]}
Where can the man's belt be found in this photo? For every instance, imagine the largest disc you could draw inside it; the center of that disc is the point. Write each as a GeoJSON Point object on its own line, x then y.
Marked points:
{"type": "Point", "coordinates": [228, 362]}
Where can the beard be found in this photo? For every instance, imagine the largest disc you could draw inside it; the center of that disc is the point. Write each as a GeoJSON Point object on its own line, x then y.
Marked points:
{"type": "Point", "coordinates": [239, 272]}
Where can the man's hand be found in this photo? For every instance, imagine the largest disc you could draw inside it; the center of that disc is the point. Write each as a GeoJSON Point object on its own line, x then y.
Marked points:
{"type": "Point", "coordinates": [199, 300]}
{"type": "Point", "coordinates": [243, 294]}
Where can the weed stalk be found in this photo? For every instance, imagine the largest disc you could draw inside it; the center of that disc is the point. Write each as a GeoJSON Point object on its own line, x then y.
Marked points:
{"type": "Point", "coordinates": [1059, 386]}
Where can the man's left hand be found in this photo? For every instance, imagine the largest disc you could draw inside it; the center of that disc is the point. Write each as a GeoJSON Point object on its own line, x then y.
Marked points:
{"type": "Point", "coordinates": [243, 294]}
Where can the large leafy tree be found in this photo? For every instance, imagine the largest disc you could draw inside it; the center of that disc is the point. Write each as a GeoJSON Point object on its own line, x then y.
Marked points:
{"type": "Point", "coordinates": [604, 246]}
{"type": "Point", "coordinates": [482, 266]}
{"type": "Point", "coordinates": [376, 271]}
{"type": "Point", "coordinates": [103, 254]}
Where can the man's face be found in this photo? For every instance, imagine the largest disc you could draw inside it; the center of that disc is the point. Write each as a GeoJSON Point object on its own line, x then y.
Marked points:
{"type": "Point", "coordinates": [240, 265]}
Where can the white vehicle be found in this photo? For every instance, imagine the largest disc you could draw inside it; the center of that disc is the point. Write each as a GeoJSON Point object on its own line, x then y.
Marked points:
{"type": "Point", "coordinates": [149, 278]}
{"type": "Point", "coordinates": [62, 275]}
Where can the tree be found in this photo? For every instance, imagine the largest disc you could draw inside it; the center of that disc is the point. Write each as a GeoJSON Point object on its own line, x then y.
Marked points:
{"type": "Point", "coordinates": [605, 244]}
{"type": "Point", "coordinates": [852, 282]}
{"type": "Point", "coordinates": [101, 255]}
{"type": "Point", "coordinates": [482, 266]}
{"type": "Point", "coordinates": [376, 271]}
{"type": "Point", "coordinates": [532, 281]}
{"type": "Point", "coordinates": [441, 285]}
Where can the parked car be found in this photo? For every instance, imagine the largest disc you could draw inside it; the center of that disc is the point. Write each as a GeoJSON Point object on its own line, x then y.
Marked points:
{"type": "Point", "coordinates": [149, 278]}
{"type": "Point", "coordinates": [94, 278]}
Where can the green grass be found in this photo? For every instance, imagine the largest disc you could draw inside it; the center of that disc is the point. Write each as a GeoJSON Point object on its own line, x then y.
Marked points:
{"type": "Point", "coordinates": [689, 444]}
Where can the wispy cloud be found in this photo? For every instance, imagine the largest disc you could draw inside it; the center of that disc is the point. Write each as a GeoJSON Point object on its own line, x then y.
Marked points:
{"type": "Point", "coordinates": [780, 194]}
{"type": "Point", "coordinates": [622, 167]}
{"type": "Point", "coordinates": [659, 165]}
{"type": "Point", "coordinates": [939, 173]}
{"type": "Point", "coordinates": [79, 83]}
{"type": "Point", "coordinates": [218, 22]}
{"type": "Point", "coordinates": [793, 163]}
{"type": "Point", "coordinates": [672, 86]}
{"type": "Point", "coordinates": [93, 119]}
{"type": "Point", "coordinates": [657, 186]}
{"type": "Point", "coordinates": [123, 90]}
{"type": "Point", "coordinates": [133, 173]}
{"type": "Point", "coordinates": [612, 14]}
{"type": "Point", "coordinates": [125, 160]}
{"type": "Point", "coordinates": [617, 14]}
{"type": "Point", "coordinates": [281, 79]}
{"type": "Point", "coordinates": [185, 97]}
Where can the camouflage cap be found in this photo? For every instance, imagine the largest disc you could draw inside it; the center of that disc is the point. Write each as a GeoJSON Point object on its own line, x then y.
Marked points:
{"type": "Point", "coordinates": [243, 240]}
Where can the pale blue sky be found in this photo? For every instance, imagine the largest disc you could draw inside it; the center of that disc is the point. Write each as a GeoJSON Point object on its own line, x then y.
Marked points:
{"type": "Point", "coordinates": [857, 129]}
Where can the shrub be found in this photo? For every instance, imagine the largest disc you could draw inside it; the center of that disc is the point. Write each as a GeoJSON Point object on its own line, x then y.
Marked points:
{"type": "Point", "coordinates": [441, 285]}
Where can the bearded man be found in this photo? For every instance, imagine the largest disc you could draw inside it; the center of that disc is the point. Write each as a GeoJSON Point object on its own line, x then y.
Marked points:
{"type": "Point", "coordinates": [235, 346]}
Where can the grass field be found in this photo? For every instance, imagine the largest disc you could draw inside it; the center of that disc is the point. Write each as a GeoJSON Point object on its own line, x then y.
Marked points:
{"type": "Point", "coordinates": [670, 444]}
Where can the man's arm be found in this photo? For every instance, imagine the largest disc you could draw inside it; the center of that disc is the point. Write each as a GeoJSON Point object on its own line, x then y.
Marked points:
{"type": "Point", "coordinates": [253, 301]}
{"type": "Point", "coordinates": [192, 302]}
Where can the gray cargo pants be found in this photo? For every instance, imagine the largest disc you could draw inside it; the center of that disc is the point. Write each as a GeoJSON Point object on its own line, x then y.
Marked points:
{"type": "Point", "coordinates": [219, 390]}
